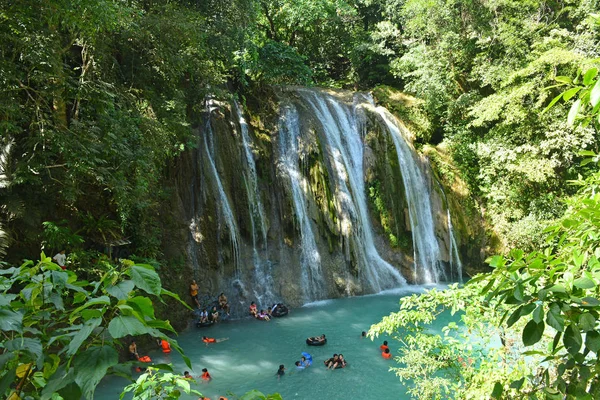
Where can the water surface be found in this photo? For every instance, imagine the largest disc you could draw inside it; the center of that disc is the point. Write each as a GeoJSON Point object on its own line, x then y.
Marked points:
{"type": "Point", "coordinates": [251, 356]}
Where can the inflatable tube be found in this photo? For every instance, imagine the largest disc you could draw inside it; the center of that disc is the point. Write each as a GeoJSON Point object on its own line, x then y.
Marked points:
{"type": "Point", "coordinates": [280, 311]}
{"type": "Point", "coordinates": [204, 324]}
{"type": "Point", "coordinates": [315, 342]}
{"type": "Point", "coordinates": [308, 357]}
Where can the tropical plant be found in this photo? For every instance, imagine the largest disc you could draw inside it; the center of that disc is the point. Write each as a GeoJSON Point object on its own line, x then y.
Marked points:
{"type": "Point", "coordinates": [60, 335]}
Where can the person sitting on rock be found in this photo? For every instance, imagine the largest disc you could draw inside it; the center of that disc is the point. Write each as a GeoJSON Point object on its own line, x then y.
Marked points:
{"type": "Point", "coordinates": [253, 310]}
{"type": "Point", "coordinates": [204, 316]}
{"type": "Point", "coordinates": [214, 314]}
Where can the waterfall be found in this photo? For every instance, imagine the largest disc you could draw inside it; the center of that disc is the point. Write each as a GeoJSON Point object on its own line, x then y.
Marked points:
{"type": "Point", "coordinates": [427, 256]}
{"type": "Point", "coordinates": [263, 280]}
{"type": "Point", "coordinates": [312, 281]}
{"type": "Point", "coordinates": [345, 146]}
{"type": "Point", "coordinates": [225, 207]}
{"type": "Point", "coordinates": [453, 251]}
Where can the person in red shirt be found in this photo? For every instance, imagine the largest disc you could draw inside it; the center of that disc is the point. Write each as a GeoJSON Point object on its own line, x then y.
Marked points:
{"type": "Point", "coordinates": [205, 375]}
{"type": "Point", "coordinates": [386, 354]}
{"type": "Point", "coordinates": [384, 346]}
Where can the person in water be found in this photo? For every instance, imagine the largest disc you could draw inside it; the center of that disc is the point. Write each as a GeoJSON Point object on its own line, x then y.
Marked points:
{"type": "Point", "coordinates": [194, 293]}
{"type": "Point", "coordinates": [186, 375]}
{"type": "Point", "coordinates": [253, 310]}
{"type": "Point", "coordinates": [386, 354]}
{"type": "Point", "coordinates": [363, 334]}
{"type": "Point", "coordinates": [280, 371]}
{"type": "Point", "coordinates": [166, 347]}
{"type": "Point", "coordinates": [318, 339]}
{"type": "Point", "coordinates": [205, 375]}
{"type": "Point", "coordinates": [299, 365]}
{"type": "Point", "coordinates": [384, 346]}
{"type": "Point", "coordinates": [214, 314]}
{"type": "Point", "coordinates": [329, 362]}
{"type": "Point", "coordinates": [223, 303]}
{"type": "Point", "coordinates": [133, 353]}
{"type": "Point", "coordinates": [263, 315]}
{"type": "Point", "coordinates": [208, 340]}
{"type": "Point", "coordinates": [340, 363]}
{"type": "Point", "coordinates": [306, 362]}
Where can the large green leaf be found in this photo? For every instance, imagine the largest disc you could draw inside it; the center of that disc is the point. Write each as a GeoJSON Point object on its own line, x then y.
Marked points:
{"type": "Point", "coordinates": [121, 291]}
{"type": "Point", "coordinates": [11, 320]}
{"type": "Point", "coordinates": [573, 112]}
{"type": "Point", "coordinates": [145, 278]}
{"type": "Point", "coordinates": [584, 283]}
{"type": "Point", "coordinates": [59, 380]}
{"type": "Point", "coordinates": [82, 334]}
{"type": "Point", "coordinates": [102, 300]}
{"type": "Point", "coordinates": [572, 339]}
{"type": "Point", "coordinates": [533, 332]}
{"type": "Point", "coordinates": [595, 94]}
{"type": "Point", "coordinates": [555, 319]}
{"type": "Point", "coordinates": [592, 341]}
{"type": "Point", "coordinates": [122, 326]}
{"type": "Point", "coordinates": [142, 305]}
{"type": "Point", "coordinates": [587, 322]}
{"type": "Point", "coordinates": [91, 366]}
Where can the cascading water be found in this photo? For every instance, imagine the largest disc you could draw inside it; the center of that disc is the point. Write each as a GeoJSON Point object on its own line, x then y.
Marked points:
{"type": "Point", "coordinates": [345, 143]}
{"type": "Point", "coordinates": [453, 251]}
{"type": "Point", "coordinates": [225, 207]}
{"type": "Point", "coordinates": [312, 281]}
{"type": "Point", "coordinates": [427, 255]}
{"type": "Point", "coordinates": [263, 280]}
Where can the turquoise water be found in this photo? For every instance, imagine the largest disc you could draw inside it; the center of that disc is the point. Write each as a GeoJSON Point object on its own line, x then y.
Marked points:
{"type": "Point", "coordinates": [251, 356]}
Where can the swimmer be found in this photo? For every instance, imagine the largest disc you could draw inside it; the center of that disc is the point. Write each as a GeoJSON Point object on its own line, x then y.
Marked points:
{"type": "Point", "coordinates": [386, 354]}
{"type": "Point", "coordinates": [280, 371]}
{"type": "Point", "coordinates": [384, 346]}
{"type": "Point", "coordinates": [208, 340]}
{"type": "Point", "coordinates": [186, 375]}
{"type": "Point", "coordinates": [299, 365]}
{"type": "Point", "coordinates": [363, 334]}
{"type": "Point", "coordinates": [205, 375]}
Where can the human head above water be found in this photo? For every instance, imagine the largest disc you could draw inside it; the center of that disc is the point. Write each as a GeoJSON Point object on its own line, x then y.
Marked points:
{"type": "Point", "coordinates": [386, 351]}
{"type": "Point", "coordinates": [297, 363]}
{"type": "Point", "coordinates": [363, 334]}
{"type": "Point", "coordinates": [281, 366]}
{"type": "Point", "coordinates": [385, 342]}
{"type": "Point", "coordinates": [204, 370]}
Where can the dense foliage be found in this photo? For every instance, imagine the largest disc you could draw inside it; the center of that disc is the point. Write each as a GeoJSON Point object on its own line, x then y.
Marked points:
{"type": "Point", "coordinates": [61, 335]}
{"type": "Point", "coordinates": [528, 329]}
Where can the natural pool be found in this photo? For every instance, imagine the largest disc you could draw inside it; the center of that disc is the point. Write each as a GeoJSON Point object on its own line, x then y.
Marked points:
{"type": "Point", "coordinates": [251, 356]}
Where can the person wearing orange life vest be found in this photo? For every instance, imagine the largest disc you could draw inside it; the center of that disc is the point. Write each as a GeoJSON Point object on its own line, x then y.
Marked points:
{"type": "Point", "coordinates": [384, 346]}
{"type": "Point", "coordinates": [205, 375]}
{"type": "Point", "coordinates": [166, 347]}
{"type": "Point", "coordinates": [208, 340]}
{"type": "Point", "coordinates": [386, 354]}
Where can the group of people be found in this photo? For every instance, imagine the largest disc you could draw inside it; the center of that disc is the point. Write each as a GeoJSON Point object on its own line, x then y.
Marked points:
{"type": "Point", "coordinates": [276, 310]}
{"type": "Point", "coordinates": [385, 350]}
{"type": "Point", "coordinates": [222, 299]}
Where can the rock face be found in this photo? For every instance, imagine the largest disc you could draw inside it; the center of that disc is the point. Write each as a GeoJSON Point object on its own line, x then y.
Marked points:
{"type": "Point", "coordinates": [306, 195]}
